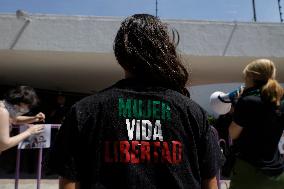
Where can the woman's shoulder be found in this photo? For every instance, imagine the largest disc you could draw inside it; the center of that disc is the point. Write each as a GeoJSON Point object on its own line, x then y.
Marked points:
{"type": "Point", "coordinates": [254, 105]}
{"type": "Point", "coordinates": [250, 100]}
{"type": "Point", "coordinates": [251, 95]}
{"type": "Point", "coordinates": [185, 101]}
{"type": "Point", "coordinates": [2, 104]}
{"type": "Point", "coordinates": [3, 111]}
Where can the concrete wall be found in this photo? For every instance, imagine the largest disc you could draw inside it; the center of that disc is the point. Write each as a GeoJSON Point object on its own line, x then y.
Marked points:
{"type": "Point", "coordinates": [75, 53]}
{"type": "Point", "coordinates": [96, 34]}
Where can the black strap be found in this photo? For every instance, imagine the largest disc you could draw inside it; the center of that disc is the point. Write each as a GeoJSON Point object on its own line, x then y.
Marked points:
{"type": "Point", "coordinates": [222, 100]}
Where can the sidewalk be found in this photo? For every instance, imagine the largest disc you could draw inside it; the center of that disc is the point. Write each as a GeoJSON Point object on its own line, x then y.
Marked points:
{"type": "Point", "coordinates": [49, 184]}
{"type": "Point", "coordinates": [28, 184]}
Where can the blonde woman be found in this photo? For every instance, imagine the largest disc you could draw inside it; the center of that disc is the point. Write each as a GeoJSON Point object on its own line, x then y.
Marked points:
{"type": "Point", "coordinates": [256, 129]}
{"type": "Point", "coordinates": [16, 103]}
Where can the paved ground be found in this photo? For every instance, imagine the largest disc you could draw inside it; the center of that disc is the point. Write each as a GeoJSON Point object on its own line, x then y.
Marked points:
{"type": "Point", "coordinates": [49, 184]}
{"type": "Point", "coordinates": [28, 184]}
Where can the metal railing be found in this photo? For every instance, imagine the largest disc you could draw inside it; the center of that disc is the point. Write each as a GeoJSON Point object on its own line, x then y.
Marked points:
{"type": "Point", "coordinates": [39, 166]}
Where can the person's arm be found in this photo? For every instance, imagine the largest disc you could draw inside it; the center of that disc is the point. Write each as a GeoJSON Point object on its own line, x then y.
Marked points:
{"type": "Point", "coordinates": [210, 183]}
{"type": "Point", "coordinates": [234, 130]}
{"type": "Point", "coordinates": [243, 111]}
{"type": "Point", "coordinates": [210, 157]}
{"type": "Point", "coordinates": [29, 119]}
{"type": "Point", "coordinates": [6, 141]}
{"type": "Point", "coordinates": [67, 184]}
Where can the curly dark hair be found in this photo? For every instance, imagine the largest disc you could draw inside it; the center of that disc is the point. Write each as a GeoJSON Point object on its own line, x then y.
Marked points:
{"type": "Point", "coordinates": [144, 48]}
{"type": "Point", "coordinates": [22, 94]}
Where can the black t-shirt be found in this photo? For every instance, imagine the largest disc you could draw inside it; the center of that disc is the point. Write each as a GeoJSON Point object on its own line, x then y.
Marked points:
{"type": "Point", "coordinates": [263, 126]}
{"type": "Point", "coordinates": [136, 134]}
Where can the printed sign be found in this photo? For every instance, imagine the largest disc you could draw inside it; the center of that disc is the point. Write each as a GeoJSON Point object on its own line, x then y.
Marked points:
{"type": "Point", "coordinates": [41, 140]}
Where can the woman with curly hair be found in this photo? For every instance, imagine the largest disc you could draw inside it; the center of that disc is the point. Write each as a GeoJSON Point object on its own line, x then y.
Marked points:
{"type": "Point", "coordinates": [144, 131]}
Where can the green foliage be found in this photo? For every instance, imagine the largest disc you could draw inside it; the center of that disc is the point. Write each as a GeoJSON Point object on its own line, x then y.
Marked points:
{"type": "Point", "coordinates": [211, 120]}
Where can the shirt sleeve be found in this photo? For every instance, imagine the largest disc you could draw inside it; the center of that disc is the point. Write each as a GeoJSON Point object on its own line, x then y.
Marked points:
{"type": "Point", "coordinates": [61, 158]}
{"type": "Point", "coordinates": [242, 113]}
{"type": "Point", "coordinates": [211, 156]}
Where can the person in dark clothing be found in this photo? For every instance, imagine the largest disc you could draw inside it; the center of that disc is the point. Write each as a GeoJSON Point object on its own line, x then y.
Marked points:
{"type": "Point", "coordinates": [222, 126]}
{"type": "Point", "coordinates": [58, 114]}
{"type": "Point", "coordinates": [258, 123]}
{"type": "Point", "coordinates": [144, 131]}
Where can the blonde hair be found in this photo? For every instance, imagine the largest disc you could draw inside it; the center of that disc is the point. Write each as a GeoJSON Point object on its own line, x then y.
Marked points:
{"type": "Point", "coordinates": [261, 73]}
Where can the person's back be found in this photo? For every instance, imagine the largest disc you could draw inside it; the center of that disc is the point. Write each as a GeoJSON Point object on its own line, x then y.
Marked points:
{"type": "Point", "coordinates": [258, 143]}
{"type": "Point", "coordinates": [143, 132]}
{"type": "Point", "coordinates": [137, 135]}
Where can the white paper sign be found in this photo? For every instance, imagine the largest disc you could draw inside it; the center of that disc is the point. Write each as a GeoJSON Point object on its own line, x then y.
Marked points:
{"type": "Point", "coordinates": [41, 140]}
{"type": "Point", "coordinates": [281, 144]}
